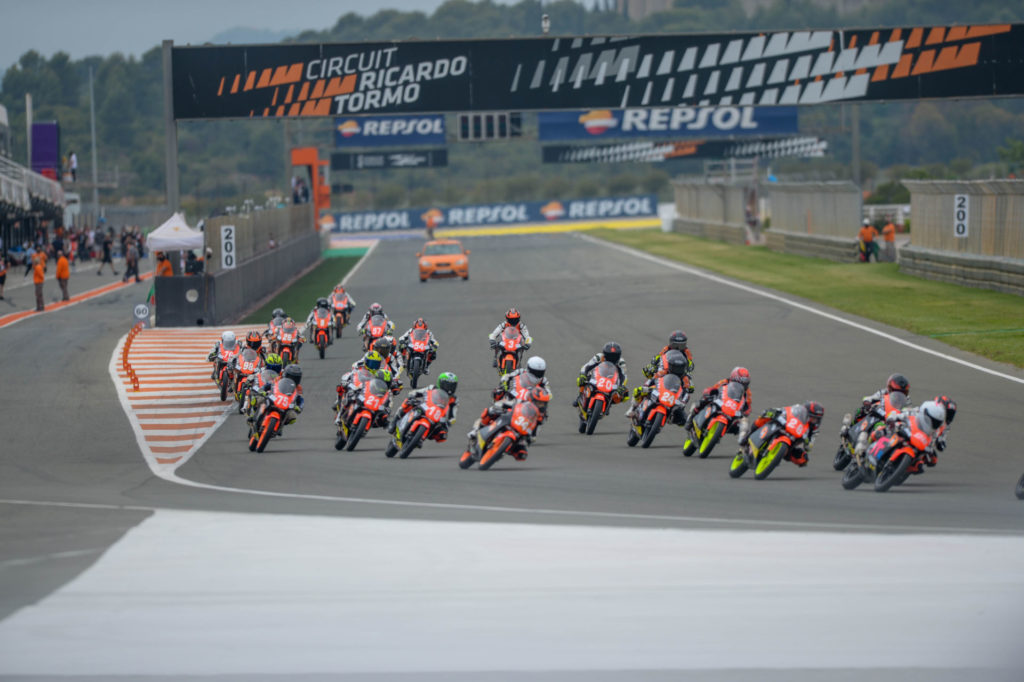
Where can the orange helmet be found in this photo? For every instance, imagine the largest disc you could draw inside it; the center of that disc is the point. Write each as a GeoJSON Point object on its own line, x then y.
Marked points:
{"type": "Point", "coordinates": [741, 375]}
{"type": "Point", "coordinates": [420, 323]}
{"type": "Point", "coordinates": [339, 289]}
{"type": "Point", "coordinates": [254, 340]}
{"type": "Point", "coordinates": [512, 316]}
{"type": "Point", "coordinates": [540, 396]}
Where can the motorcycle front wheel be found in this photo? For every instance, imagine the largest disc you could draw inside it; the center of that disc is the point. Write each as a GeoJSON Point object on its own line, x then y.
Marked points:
{"type": "Point", "coordinates": [711, 439]}
{"type": "Point", "coordinates": [650, 431]}
{"type": "Point", "coordinates": [595, 416]}
{"type": "Point", "coordinates": [357, 433]}
{"type": "Point", "coordinates": [414, 439]}
{"type": "Point", "coordinates": [1020, 488]}
{"type": "Point", "coordinates": [766, 465]}
{"type": "Point", "coordinates": [492, 456]}
{"type": "Point", "coordinates": [890, 473]}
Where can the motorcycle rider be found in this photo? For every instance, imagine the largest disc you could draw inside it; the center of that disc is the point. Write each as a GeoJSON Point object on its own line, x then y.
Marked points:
{"type": "Point", "coordinates": [342, 301]}
{"type": "Point", "coordinates": [540, 396]}
{"type": "Point", "coordinates": [254, 340]}
{"type": "Point", "coordinates": [512, 319]}
{"type": "Point", "coordinates": [808, 413]}
{"type": "Point", "coordinates": [374, 363]}
{"type": "Point", "coordinates": [228, 343]}
{"type": "Point", "coordinates": [673, 362]}
{"type": "Point", "coordinates": [375, 309]}
{"type": "Point", "coordinates": [403, 342]}
{"type": "Point", "coordinates": [676, 341]}
{"type": "Point", "coordinates": [273, 327]}
{"type": "Point", "coordinates": [741, 375]}
{"type": "Point", "coordinates": [293, 372]}
{"type": "Point", "coordinates": [447, 382]}
{"type": "Point", "coordinates": [612, 352]}
{"type": "Point", "coordinates": [895, 382]}
{"type": "Point", "coordinates": [321, 309]}
{"type": "Point", "coordinates": [938, 444]}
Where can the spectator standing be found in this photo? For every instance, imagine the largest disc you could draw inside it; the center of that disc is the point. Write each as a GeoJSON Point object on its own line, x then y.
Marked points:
{"type": "Point", "coordinates": [74, 166]}
{"type": "Point", "coordinates": [867, 244]}
{"type": "Point", "coordinates": [38, 277]}
{"type": "Point", "coordinates": [108, 244]}
{"type": "Point", "coordinates": [889, 236]}
{"type": "Point", "coordinates": [63, 275]}
{"type": "Point", "coordinates": [131, 260]}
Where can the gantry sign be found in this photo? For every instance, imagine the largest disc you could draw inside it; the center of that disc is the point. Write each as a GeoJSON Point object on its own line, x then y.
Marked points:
{"type": "Point", "coordinates": [762, 69]}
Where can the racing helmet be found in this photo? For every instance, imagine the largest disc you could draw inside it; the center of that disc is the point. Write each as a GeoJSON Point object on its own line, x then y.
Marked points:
{"type": "Point", "coordinates": [676, 363]}
{"type": "Point", "coordinates": [540, 397]}
{"type": "Point", "coordinates": [898, 382]}
{"type": "Point", "coordinates": [448, 382]}
{"type": "Point", "coordinates": [227, 340]}
{"type": "Point", "coordinates": [420, 323]}
{"type": "Point", "coordinates": [815, 411]}
{"type": "Point", "coordinates": [323, 303]}
{"type": "Point", "coordinates": [677, 340]}
{"type": "Point", "coordinates": [254, 340]}
{"type": "Point", "coordinates": [376, 309]}
{"type": "Point", "coordinates": [383, 346]}
{"type": "Point", "coordinates": [339, 289]}
{"type": "Point", "coordinates": [274, 362]}
{"type": "Point", "coordinates": [930, 416]}
{"type": "Point", "coordinates": [373, 361]}
{"type": "Point", "coordinates": [293, 372]}
{"type": "Point", "coordinates": [612, 352]}
{"type": "Point", "coordinates": [740, 375]}
{"type": "Point", "coordinates": [949, 405]}
{"type": "Point", "coordinates": [536, 366]}
{"type": "Point", "coordinates": [512, 317]}
{"type": "Point", "coordinates": [278, 312]}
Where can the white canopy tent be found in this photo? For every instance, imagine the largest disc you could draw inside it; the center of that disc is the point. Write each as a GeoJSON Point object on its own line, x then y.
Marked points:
{"type": "Point", "coordinates": [174, 235]}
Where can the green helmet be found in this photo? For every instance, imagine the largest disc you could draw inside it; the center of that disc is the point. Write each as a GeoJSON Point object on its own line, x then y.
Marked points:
{"type": "Point", "coordinates": [448, 382]}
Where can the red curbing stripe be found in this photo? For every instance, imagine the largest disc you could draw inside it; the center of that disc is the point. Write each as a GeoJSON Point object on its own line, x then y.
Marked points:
{"type": "Point", "coordinates": [7, 320]}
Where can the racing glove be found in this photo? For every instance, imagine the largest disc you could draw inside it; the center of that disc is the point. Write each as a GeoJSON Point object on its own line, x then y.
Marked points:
{"type": "Point", "coordinates": [940, 443]}
{"type": "Point", "coordinates": [580, 379]}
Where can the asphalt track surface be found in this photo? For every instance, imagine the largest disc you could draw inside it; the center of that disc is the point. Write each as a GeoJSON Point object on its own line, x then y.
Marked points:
{"type": "Point", "coordinates": [66, 439]}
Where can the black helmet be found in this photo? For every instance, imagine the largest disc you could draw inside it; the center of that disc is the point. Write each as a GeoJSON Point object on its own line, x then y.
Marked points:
{"type": "Point", "coordinates": [612, 352]}
{"type": "Point", "coordinates": [898, 382]}
{"type": "Point", "coordinates": [677, 340]}
{"type": "Point", "coordinates": [278, 312]}
{"type": "Point", "coordinates": [815, 411]}
{"type": "Point", "coordinates": [383, 346]}
{"type": "Point", "coordinates": [448, 382]}
{"type": "Point", "coordinates": [676, 363]}
{"type": "Point", "coordinates": [293, 372]}
{"type": "Point", "coordinates": [950, 406]}
{"type": "Point", "coordinates": [323, 303]}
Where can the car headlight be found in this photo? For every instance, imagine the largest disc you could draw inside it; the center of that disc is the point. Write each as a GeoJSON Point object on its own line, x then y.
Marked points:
{"type": "Point", "coordinates": [460, 262]}
{"type": "Point", "coordinates": [425, 263]}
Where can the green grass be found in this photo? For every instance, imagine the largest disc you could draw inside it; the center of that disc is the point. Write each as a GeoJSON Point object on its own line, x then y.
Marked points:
{"type": "Point", "coordinates": [981, 321]}
{"type": "Point", "coordinates": [298, 299]}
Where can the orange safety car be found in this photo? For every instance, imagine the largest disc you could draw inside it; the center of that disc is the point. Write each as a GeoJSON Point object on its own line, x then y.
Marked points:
{"type": "Point", "coordinates": [443, 258]}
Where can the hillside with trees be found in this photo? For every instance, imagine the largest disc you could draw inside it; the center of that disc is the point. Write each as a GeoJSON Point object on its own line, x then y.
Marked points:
{"type": "Point", "coordinates": [224, 162]}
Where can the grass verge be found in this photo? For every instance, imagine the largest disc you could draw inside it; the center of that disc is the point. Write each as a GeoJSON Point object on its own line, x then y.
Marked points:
{"type": "Point", "coordinates": [298, 299]}
{"type": "Point", "coordinates": [981, 321]}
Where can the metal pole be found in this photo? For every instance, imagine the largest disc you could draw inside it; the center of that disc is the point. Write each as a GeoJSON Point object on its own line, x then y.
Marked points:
{"type": "Point", "coordinates": [92, 123]}
{"type": "Point", "coordinates": [855, 124]}
{"type": "Point", "coordinates": [28, 128]}
{"type": "Point", "coordinates": [170, 132]}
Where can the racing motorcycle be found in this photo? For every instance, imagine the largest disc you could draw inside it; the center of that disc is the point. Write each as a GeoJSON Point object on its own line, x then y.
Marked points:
{"type": "Point", "coordinates": [889, 460]}
{"type": "Point", "coordinates": [415, 353]}
{"type": "Point", "coordinates": [866, 425]}
{"type": "Point", "coordinates": [774, 442]}
{"type": "Point", "coordinates": [597, 395]}
{"type": "Point", "coordinates": [321, 327]}
{"type": "Point", "coordinates": [650, 416]}
{"type": "Point", "coordinates": [511, 347]}
{"type": "Point", "coordinates": [366, 407]}
{"type": "Point", "coordinates": [288, 343]}
{"type": "Point", "coordinates": [506, 435]}
{"type": "Point", "coordinates": [376, 327]}
{"type": "Point", "coordinates": [275, 413]}
{"type": "Point", "coordinates": [261, 378]}
{"type": "Point", "coordinates": [718, 417]}
{"type": "Point", "coordinates": [246, 367]}
{"type": "Point", "coordinates": [428, 420]}
{"type": "Point", "coordinates": [1020, 488]}
{"type": "Point", "coordinates": [340, 316]}
{"type": "Point", "coordinates": [225, 375]}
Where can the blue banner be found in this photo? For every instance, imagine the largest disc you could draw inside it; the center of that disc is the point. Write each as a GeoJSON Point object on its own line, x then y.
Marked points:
{"type": "Point", "coordinates": [674, 122]}
{"type": "Point", "coordinates": [510, 213]}
{"type": "Point", "coordinates": [389, 131]}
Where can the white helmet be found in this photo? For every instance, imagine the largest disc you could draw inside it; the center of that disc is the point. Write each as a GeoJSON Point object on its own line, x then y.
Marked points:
{"type": "Point", "coordinates": [930, 416]}
{"type": "Point", "coordinates": [536, 366]}
{"type": "Point", "coordinates": [227, 339]}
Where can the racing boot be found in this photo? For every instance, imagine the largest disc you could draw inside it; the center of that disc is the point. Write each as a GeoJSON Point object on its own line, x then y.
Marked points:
{"type": "Point", "coordinates": [845, 429]}
{"type": "Point", "coordinates": [744, 432]}
{"type": "Point", "coordinates": [860, 447]}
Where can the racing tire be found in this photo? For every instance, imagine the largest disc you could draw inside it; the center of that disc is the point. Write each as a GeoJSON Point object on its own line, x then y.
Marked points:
{"type": "Point", "coordinates": [339, 442]}
{"type": "Point", "coordinates": [493, 455]}
{"type": "Point", "coordinates": [582, 426]}
{"type": "Point", "coordinates": [650, 431]}
{"type": "Point", "coordinates": [890, 473]}
{"type": "Point", "coordinates": [413, 440]}
{"type": "Point", "coordinates": [269, 425]}
{"type": "Point", "coordinates": [390, 450]}
{"type": "Point", "coordinates": [224, 388]}
{"type": "Point", "coordinates": [355, 435]}
{"type": "Point", "coordinates": [253, 439]}
{"type": "Point", "coordinates": [507, 366]}
{"type": "Point", "coordinates": [738, 467]}
{"type": "Point", "coordinates": [852, 476]}
{"type": "Point", "coordinates": [711, 439]}
{"type": "Point", "coordinates": [414, 370]}
{"type": "Point", "coordinates": [766, 465]}
{"type": "Point", "coordinates": [595, 416]}
{"type": "Point", "coordinates": [632, 438]}
{"type": "Point", "coordinates": [842, 458]}
{"type": "Point", "coordinates": [1019, 492]}
{"type": "Point", "coordinates": [322, 347]}
{"type": "Point", "coordinates": [466, 460]}
{"type": "Point", "coordinates": [688, 447]}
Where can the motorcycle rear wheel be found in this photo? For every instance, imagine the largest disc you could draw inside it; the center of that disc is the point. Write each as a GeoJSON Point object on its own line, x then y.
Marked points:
{"type": "Point", "coordinates": [842, 458]}
{"type": "Point", "coordinates": [890, 473]}
{"type": "Point", "coordinates": [766, 465]}
{"type": "Point", "coordinates": [1020, 489]}
{"type": "Point", "coordinates": [738, 467]}
{"type": "Point", "coordinates": [711, 439]}
{"type": "Point", "coordinates": [466, 460]}
{"type": "Point", "coordinates": [632, 438]}
{"type": "Point", "coordinates": [688, 447]}
{"type": "Point", "coordinates": [390, 450]}
{"type": "Point", "coordinates": [852, 476]}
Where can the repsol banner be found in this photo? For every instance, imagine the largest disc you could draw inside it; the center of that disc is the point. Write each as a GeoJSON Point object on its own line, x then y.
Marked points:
{"type": "Point", "coordinates": [667, 122]}
{"type": "Point", "coordinates": [389, 131]}
{"type": "Point", "coordinates": [511, 213]}
{"type": "Point", "coordinates": [654, 152]}
{"type": "Point", "coordinates": [428, 158]}
{"type": "Point", "coordinates": [781, 68]}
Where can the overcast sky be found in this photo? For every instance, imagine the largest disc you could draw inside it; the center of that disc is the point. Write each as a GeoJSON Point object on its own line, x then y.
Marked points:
{"type": "Point", "coordinates": [88, 27]}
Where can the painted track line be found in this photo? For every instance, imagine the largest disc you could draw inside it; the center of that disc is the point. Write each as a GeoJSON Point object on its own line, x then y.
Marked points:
{"type": "Point", "coordinates": [766, 293]}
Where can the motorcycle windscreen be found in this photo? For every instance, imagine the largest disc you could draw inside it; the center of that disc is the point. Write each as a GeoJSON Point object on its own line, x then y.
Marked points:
{"type": "Point", "coordinates": [378, 387]}
{"type": "Point", "coordinates": [606, 370]}
{"type": "Point", "coordinates": [377, 321]}
{"type": "Point", "coordinates": [510, 334]}
{"type": "Point", "coordinates": [734, 390]}
{"type": "Point", "coordinates": [671, 382]}
{"type": "Point", "coordinates": [437, 397]}
{"type": "Point", "coordinates": [286, 386]}
{"type": "Point", "coordinates": [419, 335]}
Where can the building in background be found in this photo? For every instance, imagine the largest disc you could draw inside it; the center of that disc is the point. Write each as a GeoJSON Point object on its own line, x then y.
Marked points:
{"type": "Point", "coordinates": [5, 133]}
{"type": "Point", "coordinates": [641, 9]}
